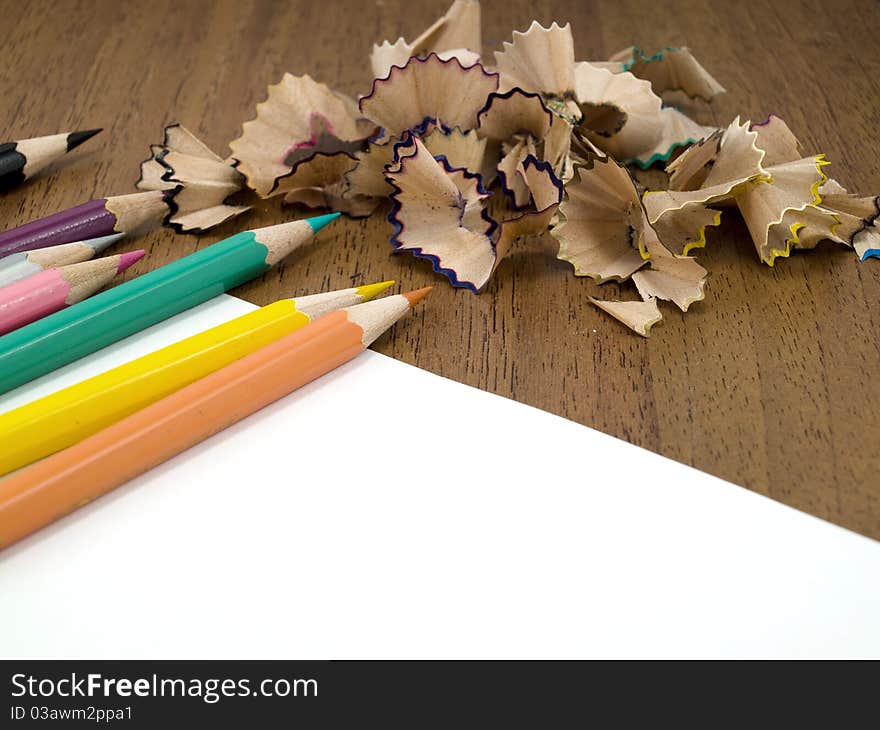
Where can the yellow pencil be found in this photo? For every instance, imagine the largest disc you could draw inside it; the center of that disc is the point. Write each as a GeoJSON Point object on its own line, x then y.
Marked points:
{"type": "Point", "coordinates": [66, 417]}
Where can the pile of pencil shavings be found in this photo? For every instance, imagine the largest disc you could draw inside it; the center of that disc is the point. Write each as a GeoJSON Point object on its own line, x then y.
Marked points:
{"type": "Point", "coordinates": [547, 140]}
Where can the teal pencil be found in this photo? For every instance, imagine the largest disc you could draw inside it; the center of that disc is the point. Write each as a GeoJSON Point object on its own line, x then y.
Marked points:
{"type": "Point", "coordinates": [86, 327]}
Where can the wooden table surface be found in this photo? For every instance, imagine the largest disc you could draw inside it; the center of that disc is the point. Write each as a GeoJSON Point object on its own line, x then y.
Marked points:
{"type": "Point", "coordinates": [771, 382]}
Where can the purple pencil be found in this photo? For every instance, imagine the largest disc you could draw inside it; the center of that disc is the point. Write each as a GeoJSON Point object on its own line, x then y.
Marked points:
{"type": "Point", "coordinates": [133, 214]}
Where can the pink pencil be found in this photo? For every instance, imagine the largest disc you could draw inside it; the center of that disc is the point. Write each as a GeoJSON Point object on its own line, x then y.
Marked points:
{"type": "Point", "coordinates": [41, 294]}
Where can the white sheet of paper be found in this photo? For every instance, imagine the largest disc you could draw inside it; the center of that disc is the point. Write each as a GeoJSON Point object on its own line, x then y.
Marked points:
{"type": "Point", "coordinates": [385, 512]}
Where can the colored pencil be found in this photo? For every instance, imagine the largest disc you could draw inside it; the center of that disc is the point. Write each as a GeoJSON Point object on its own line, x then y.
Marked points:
{"type": "Point", "coordinates": [23, 159]}
{"type": "Point", "coordinates": [46, 491]}
{"type": "Point", "coordinates": [134, 213]}
{"type": "Point", "coordinates": [49, 291]}
{"type": "Point", "coordinates": [67, 416]}
{"type": "Point", "coordinates": [72, 333]}
{"type": "Point", "coordinates": [27, 263]}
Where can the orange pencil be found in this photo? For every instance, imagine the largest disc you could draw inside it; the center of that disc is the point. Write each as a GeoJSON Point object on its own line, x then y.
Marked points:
{"type": "Point", "coordinates": [52, 488]}
{"type": "Point", "coordinates": [42, 294]}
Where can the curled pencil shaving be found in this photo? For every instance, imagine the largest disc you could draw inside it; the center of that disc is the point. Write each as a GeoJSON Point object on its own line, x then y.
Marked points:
{"type": "Point", "coordinates": [773, 138]}
{"type": "Point", "coordinates": [514, 112]}
{"type": "Point", "coordinates": [461, 149]}
{"type": "Point", "coordinates": [790, 204]}
{"type": "Point", "coordinates": [672, 69]}
{"type": "Point", "coordinates": [638, 316]}
{"type": "Point", "coordinates": [867, 243]}
{"type": "Point", "coordinates": [515, 124]}
{"type": "Point", "coordinates": [678, 279]}
{"type": "Point", "coordinates": [804, 229]}
{"type": "Point", "coordinates": [320, 183]}
{"type": "Point", "coordinates": [518, 124]}
{"type": "Point", "coordinates": [792, 187]}
{"type": "Point", "coordinates": [541, 60]}
{"type": "Point", "coordinates": [683, 215]}
{"type": "Point", "coordinates": [440, 213]}
{"type": "Point", "coordinates": [689, 170]}
{"type": "Point", "coordinates": [546, 192]}
{"type": "Point", "coordinates": [601, 222]}
{"type": "Point", "coordinates": [367, 177]}
{"type": "Point", "coordinates": [619, 113]}
{"type": "Point", "coordinates": [676, 130]}
{"type": "Point", "coordinates": [736, 172]}
{"type": "Point", "coordinates": [511, 171]}
{"type": "Point", "coordinates": [604, 232]}
{"type": "Point", "coordinates": [202, 180]}
{"type": "Point", "coordinates": [856, 219]}
{"type": "Point", "coordinates": [428, 88]}
{"type": "Point", "coordinates": [457, 33]}
{"type": "Point", "coordinates": [861, 208]}
{"type": "Point", "coordinates": [299, 117]}
{"type": "Point", "coordinates": [437, 215]}
{"type": "Point", "coordinates": [777, 140]}
{"type": "Point", "coordinates": [356, 184]}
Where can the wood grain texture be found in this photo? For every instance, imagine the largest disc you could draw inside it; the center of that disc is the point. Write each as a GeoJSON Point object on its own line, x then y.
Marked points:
{"type": "Point", "coordinates": [769, 383]}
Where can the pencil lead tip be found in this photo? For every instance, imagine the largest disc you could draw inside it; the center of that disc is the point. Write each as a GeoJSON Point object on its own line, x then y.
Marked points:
{"type": "Point", "coordinates": [319, 221]}
{"type": "Point", "coordinates": [102, 242]}
{"type": "Point", "coordinates": [128, 258]}
{"type": "Point", "coordinates": [416, 296]}
{"type": "Point", "coordinates": [75, 139]}
{"type": "Point", "coordinates": [369, 291]}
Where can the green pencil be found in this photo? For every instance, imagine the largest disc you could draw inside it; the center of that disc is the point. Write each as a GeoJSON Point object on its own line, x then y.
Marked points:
{"type": "Point", "coordinates": [80, 330]}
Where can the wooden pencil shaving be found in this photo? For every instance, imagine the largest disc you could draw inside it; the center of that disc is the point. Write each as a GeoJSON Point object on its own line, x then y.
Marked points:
{"type": "Point", "coordinates": [546, 191]}
{"type": "Point", "coordinates": [792, 187]}
{"type": "Point", "coordinates": [512, 113]}
{"type": "Point", "coordinates": [202, 181]}
{"type": "Point", "coordinates": [676, 130]}
{"type": "Point", "coordinates": [620, 113]}
{"type": "Point", "coordinates": [457, 34]}
{"type": "Point", "coordinates": [320, 183]}
{"type": "Point", "coordinates": [867, 242]}
{"type": "Point", "coordinates": [677, 279]}
{"type": "Point", "coordinates": [689, 170]}
{"type": "Point", "coordinates": [604, 232]}
{"type": "Point", "coordinates": [367, 177]}
{"type": "Point", "coordinates": [299, 117]}
{"type": "Point", "coordinates": [440, 213]}
{"type": "Point", "coordinates": [601, 222]}
{"type": "Point", "coordinates": [638, 316]}
{"type": "Point", "coordinates": [720, 167]}
{"type": "Point", "coordinates": [460, 149]}
{"type": "Point", "coordinates": [542, 139]}
{"type": "Point", "coordinates": [428, 88]}
{"type": "Point", "coordinates": [511, 171]}
{"type": "Point", "coordinates": [777, 140]}
{"type": "Point", "coordinates": [672, 69]}
{"type": "Point", "coordinates": [541, 60]}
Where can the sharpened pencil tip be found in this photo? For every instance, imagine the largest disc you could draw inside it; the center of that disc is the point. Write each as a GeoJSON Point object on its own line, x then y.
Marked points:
{"type": "Point", "coordinates": [416, 296]}
{"type": "Point", "coordinates": [102, 242]}
{"type": "Point", "coordinates": [75, 139]}
{"type": "Point", "coordinates": [319, 221]}
{"type": "Point", "coordinates": [368, 291]}
{"type": "Point", "coordinates": [127, 259]}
